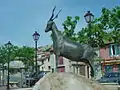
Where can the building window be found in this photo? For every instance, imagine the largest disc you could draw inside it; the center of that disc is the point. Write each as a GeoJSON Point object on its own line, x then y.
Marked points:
{"type": "Point", "coordinates": [42, 68]}
{"type": "Point", "coordinates": [82, 70]}
{"type": "Point", "coordinates": [74, 69]}
{"type": "Point", "coordinates": [77, 69]}
{"type": "Point", "coordinates": [61, 69]}
{"type": "Point", "coordinates": [88, 71]}
{"type": "Point", "coordinates": [114, 49]}
{"type": "Point", "coordinates": [42, 61]}
{"type": "Point", "coordinates": [60, 61]}
{"type": "Point", "coordinates": [108, 68]}
{"type": "Point", "coordinates": [49, 67]}
{"type": "Point", "coordinates": [118, 67]}
{"type": "Point", "coordinates": [115, 68]}
{"type": "Point", "coordinates": [48, 58]}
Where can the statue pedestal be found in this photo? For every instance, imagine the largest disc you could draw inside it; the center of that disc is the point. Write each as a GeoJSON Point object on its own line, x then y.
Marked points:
{"type": "Point", "coordinates": [66, 81]}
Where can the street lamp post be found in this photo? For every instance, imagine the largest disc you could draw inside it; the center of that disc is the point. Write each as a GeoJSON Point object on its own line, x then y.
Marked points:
{"type": "Point", "coordinates": [36, 37]}
{"type": "Point", "coordinates": [8, 46]}
{"type": "Point", "coordinates": [89, 18]}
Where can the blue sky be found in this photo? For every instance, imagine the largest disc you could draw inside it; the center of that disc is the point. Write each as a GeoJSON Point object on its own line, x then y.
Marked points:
{"type": "Point", "coordinates": [20, 18]}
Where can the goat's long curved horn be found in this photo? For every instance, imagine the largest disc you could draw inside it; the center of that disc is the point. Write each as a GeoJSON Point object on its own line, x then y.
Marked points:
{"type": "Point", "coordinates": [57, 14]}
{"type": "Point", "coordinates": [52, 13]}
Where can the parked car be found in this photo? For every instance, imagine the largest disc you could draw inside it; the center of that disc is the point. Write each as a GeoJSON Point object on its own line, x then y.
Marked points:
{"type": "Point", "coordinates": [111, 77]}
{"type": "Point", "coordinates": [40, 74]}
{"type": "Point", "coordinates": [32, 78]}
{"type": "Point", "coordinates": [27, 74]}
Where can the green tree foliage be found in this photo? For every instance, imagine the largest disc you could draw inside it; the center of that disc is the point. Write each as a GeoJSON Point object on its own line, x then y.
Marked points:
{"type": "Point", "coordinates": [99, 32]}
{"type": "Point", "coordinates": [24, 53]}
{"type": "Point", "coordinates": [94, 35]}
{"type": "Point", "coordinates": [4, 53]}
{"type": "Point", "coordinates": [110, 22]}
{"type": "Point", "coordinates": [69, 27]}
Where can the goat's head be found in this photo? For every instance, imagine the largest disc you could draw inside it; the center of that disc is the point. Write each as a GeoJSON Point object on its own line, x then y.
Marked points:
{"type": "Point", "coordinates": [50, 21]}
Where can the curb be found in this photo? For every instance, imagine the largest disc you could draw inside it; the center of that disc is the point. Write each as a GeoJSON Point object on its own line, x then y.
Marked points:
{"type": "Point", "coordinates": [23, 89]}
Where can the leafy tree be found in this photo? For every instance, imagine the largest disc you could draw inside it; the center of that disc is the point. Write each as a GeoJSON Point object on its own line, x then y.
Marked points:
{"type": "Point", "coordinates": [69, 27]}
{"type": "Point", "coordinates": [94, 36]}
{"type": "Point", "coordinates": [102, 30]}
{"type": "Point", "coordinates": [110, 22]}
{"type": "Point", "coordinates": [26, 55]}
{"type": "Point", "coordinates": [4, 53]}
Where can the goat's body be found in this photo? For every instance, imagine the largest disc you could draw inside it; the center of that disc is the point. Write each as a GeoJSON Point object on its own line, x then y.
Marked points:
{"type": "Point", "coordinates": [70, 49]}
{"type": "Point", "coordinates": [65, 47]}
{"type": "Point", "coordinates": [75, 51]}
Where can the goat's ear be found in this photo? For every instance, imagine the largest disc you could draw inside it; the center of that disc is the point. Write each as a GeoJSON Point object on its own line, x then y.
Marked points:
{"type": "Point", "coordinates": [51, 18]}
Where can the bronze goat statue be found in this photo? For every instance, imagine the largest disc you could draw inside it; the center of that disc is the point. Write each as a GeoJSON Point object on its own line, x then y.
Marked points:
{"type": "Point", "coordinates": [62, 46]}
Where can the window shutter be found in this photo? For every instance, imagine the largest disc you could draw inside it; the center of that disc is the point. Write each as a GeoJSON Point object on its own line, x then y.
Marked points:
{"type": "Point", "coordinates": [60, 60]}
{"type": "Point", "coordinates": [119, 48]}
{"type": "Point", "coordinates": [117, 52]}
{"type": "Point", "coordinates": [110, 54]}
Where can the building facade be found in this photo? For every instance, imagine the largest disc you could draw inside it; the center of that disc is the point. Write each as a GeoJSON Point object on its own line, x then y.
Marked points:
{"type": "Point", "coordinates": [111, 58]}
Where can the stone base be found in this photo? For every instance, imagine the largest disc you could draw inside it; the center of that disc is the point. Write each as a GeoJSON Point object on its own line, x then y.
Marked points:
{"type": "Point", "coordinates": [67, 81]}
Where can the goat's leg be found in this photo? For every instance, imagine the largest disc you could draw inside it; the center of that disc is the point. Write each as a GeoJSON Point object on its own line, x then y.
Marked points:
{"type": "Point", "coordinates": [92, 70]}
{"type": "Point", "coordinates": [91, 66]}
